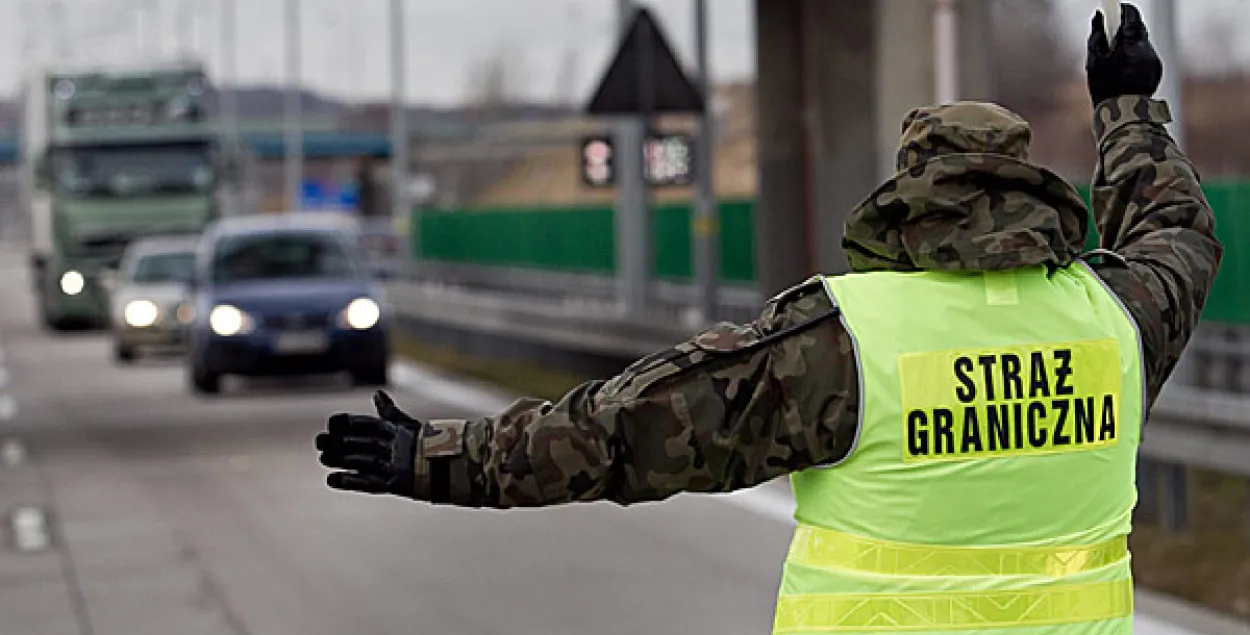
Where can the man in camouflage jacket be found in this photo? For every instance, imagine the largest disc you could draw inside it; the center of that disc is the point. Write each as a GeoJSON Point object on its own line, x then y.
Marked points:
{"type": "Point", "coordinates": [739, 405]}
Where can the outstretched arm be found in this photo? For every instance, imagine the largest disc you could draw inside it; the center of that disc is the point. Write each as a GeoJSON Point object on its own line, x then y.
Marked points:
{"type": "Point", "coordinates": [733, 407]}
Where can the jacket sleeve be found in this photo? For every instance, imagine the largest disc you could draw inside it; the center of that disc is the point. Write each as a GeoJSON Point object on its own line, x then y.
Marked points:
{"type": "Point", "coordinates": [1150, 210]}
{"type": "Point", "coordinates": [733, 407]}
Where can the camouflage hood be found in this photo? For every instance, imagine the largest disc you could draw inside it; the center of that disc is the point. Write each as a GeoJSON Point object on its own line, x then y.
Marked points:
{"type": "Point", "coordinates": [966, 198]}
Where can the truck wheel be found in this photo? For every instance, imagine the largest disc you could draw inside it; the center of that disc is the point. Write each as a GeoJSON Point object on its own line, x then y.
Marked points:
{"type": "Point", "coordinates": [205, 382]}
{"type": "Point", "coordinates": [56, 324]}
{"type": "Point", "coordinates": [123, 354]}
{"type": "Point", "coordinates": [377, 375]}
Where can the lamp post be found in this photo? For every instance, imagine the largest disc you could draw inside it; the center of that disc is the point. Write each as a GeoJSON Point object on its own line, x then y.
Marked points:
{"type": "Point", "coordinates": [294, 134]}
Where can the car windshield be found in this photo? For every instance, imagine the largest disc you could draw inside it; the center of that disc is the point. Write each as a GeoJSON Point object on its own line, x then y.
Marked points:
{"type": "Point", "coordinates": [128, 170]}
{"type": "Point", "coordinates": [161, 268]}
{"type": "Point", "coordinates": [291, 255]}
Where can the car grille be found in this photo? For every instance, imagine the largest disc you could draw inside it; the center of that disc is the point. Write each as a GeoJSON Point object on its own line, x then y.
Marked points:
{"type": "Point", "coordinates": [296, 321]}
{"type": "Point", "coordinates": [169, 314]}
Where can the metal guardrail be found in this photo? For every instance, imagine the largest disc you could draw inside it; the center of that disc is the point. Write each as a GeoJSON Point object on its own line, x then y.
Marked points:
{"type": "Point", "coordinates": [672, 301]}
{"type": "Point", "coordinates": [1190, 428]}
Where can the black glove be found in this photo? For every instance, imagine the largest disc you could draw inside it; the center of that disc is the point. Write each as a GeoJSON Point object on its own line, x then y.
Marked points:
{"type": "Point", "coordinates": [377, 452]}
{"type": "Point", "coordinates": [1130, 68]}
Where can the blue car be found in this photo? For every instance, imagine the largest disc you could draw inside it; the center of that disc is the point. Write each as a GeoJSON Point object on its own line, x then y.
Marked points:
{"type": "Point", "coordinates": [283, 294]}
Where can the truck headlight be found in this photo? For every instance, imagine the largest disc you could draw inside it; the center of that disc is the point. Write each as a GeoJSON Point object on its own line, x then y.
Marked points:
{"type": "Point", "coordinates": [226, 320]}
{"type": "Point", "coordinates": [361, 314]}
{"type": "Point", "coordinates": [141, 313]}
{"type": "Point", "coordinates": [72, 283]}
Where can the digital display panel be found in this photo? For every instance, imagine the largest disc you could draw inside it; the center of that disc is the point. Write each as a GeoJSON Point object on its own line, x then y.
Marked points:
{"type": "Point", "coordinates": [667, 159]}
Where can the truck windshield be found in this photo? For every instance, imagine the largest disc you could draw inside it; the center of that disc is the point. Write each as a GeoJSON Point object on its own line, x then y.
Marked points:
{"type": "Point", "coordinates": [162, 268]}
{"type": "Point", "coordinates": [130, 170]}
{"type": "Point", "coordinates": [278, 256]}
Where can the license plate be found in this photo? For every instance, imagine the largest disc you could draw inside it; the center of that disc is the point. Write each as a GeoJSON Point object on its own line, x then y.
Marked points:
{"type": "Point", "coordinates": [312, 342]}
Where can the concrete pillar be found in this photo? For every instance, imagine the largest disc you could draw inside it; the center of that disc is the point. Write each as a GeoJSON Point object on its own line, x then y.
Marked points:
{"type": "Point", "coordinates": [835, 80]}
{"type": "Point", "coordinates": [841, 104]}
{"type": "Point", "coordinates": [904, 62]}
{"type": "Point", "coordinates": [781, 152]}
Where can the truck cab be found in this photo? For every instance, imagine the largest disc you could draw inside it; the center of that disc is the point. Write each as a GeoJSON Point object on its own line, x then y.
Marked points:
{"type": "Point", "coordinates": [128, 154]}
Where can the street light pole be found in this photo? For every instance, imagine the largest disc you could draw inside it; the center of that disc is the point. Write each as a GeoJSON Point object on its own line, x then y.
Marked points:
{"type": "Point", "coordinates": [1163, 33]}
{"type": "Point", "coordinates": [229, 66]}
{"type": "Point", "coordinates": [399, 124]}
{"type": "Point", "coordinates": [294, 135]}
{"type": "Point", "coordinates": [706, 223]}
{"type": "Point", "coordinates": [56, 21]}
{"type": "Point", "coordinates": [945, 51]}
{"type": "Point", "coordinates": [632, 218]}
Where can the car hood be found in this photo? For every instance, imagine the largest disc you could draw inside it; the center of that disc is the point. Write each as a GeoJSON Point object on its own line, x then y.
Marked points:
{"type": "Point", "coordinates": [284, 295]}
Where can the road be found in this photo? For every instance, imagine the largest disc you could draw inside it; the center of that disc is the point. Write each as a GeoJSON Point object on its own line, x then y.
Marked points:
{"type": "Point", "coordinates": [167, 513]}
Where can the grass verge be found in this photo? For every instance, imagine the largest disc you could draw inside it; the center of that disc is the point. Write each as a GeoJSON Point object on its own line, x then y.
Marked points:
{"type": "Point", "coordinates": [1209, 562]}
{"type": "Point", "coordinates": [523, 378]}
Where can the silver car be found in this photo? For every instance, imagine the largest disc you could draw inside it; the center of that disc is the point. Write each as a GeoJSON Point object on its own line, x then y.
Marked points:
{"type": "Point", "coordinates": [148, 296]}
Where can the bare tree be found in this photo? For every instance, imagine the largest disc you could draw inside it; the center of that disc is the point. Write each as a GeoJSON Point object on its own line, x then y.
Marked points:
{"type": "Point", "coordinates": [1031, 63]}
{"type": "Point", "coordinates": [493, 80]}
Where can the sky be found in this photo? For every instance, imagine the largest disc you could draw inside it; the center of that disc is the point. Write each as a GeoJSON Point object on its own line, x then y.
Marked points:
{"type": "Point", "coordinates": [345, 43]}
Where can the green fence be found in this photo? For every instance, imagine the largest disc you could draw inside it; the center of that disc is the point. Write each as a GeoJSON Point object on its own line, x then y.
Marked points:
{"type": "Point", "coordinates": [581, 239]}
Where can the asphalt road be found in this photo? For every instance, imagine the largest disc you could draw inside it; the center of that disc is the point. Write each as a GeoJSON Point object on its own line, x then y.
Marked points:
{"type": "Point", "coordinates": [164, 513]}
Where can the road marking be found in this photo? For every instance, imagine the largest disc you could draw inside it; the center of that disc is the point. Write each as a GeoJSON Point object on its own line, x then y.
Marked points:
{"type": "Point", "coordinates": [763, 502]}
{"type": "Point", "coordinates": [8, 407]}
{"type": "Point", "coordinates": [12, 452]}
{"type": "Point", "coordinates": [30, 529]}
{"type": "Point", "coordinates": [427, 385]}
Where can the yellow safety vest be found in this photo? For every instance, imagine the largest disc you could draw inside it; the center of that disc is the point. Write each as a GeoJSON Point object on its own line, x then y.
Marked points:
{"type": "Point", "coordinates": [992, 483]}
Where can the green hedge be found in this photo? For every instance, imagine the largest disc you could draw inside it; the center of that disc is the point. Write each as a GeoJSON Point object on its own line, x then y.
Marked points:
{"type": "Point", "coordinates": [581, 239]}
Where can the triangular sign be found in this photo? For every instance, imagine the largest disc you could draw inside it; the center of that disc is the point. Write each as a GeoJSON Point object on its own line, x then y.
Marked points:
{"type": "Point", "coordinates": [645, 77]}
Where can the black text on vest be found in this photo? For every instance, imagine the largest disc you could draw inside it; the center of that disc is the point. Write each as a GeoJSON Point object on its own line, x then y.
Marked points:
{"type": "Point", "coordinates": [1027, 400]}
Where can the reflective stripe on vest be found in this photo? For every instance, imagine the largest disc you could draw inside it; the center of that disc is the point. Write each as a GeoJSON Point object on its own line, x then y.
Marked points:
{"type": "Point", "coordinates": [992, 483]}
{"type": "Point", "coordinates": [1046, 606]}
{"type": "Point", "coordinates": [828, 549]}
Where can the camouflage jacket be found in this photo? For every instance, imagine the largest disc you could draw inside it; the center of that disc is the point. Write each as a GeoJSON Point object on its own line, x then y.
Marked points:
{"type": "Point", "coordinates": [739, 405]}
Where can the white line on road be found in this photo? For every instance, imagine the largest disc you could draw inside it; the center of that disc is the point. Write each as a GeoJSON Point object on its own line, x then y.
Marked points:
{"type": "Point", "coordinates": [8, 407]}
{"type": "Point", "coordinates": [427, 385]}
{"type": "Point", "coordinates": [763, 502]}
{"type": "Point", "coordinates": [30, 529]}
{"type": "Point", "coordinates": [12, 453]}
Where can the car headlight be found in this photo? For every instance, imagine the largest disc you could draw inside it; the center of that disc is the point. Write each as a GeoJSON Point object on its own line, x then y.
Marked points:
{"type": "Point", "coordinates": [72, 283]}
{"type": "Point", "coordinates": [362, 313]}
{"type": "Point", "coordinates": [141, 313]}
{"type": "Point", "coordinates": [227, 320]}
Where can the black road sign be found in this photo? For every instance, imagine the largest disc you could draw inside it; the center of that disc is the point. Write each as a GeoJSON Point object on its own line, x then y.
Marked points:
{"type": "Point", "coordinates": [645, 77]}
